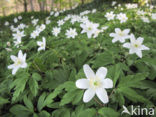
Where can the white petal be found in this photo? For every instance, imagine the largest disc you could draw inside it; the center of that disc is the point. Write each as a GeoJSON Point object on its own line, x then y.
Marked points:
{"type": "Point", "coordinates": [88, 95]}
{"type": "Point", "coordinates": [24, 65]}
{"type": "Point", "coordinates": [39, 43]}
{"type": "Point", "coordinates": [89, 35]}
{"type": "Point", "coordinates": [139, 53]}
{"type": "Point", "coordinates": [20, 54]}
{"type": "Point", "coordinates": [126, 31]}
{"type": "Point", "coordinates": [15, 70]}
{"type": "Point", "coordinates": [132, 51]}
{"type": "Point", "coordinates": [140, 39]}
{"type": "Point", "coordinates": [132, 38]}
{"type": "Point", "coordinates": [114, 40]}
{"type": "Point", "coordinates": [11, 66]}
{"type": "Point", "coordinates": [101, 72]}
{"type": "Point", "coordinates": [117, 30]}
{"type": "Point", "coordinates": [88, 71]}
{"type": "Point", "coordinates": [112, 34]}
{"type": "Point", "coordinates": [40, 48]}
{"type": "Point", "coordinates": [126, 45]}
{"type": "Point", "coordinates": [102, 95]}
{"type": "Point", "coordinates": [13, 58]}
{"type": "Point", "coordinates": [107, 83]}
{"type": "Point", "coordinates": [143, 47]}
{"type": "Point", "coordinates": [82, 83]}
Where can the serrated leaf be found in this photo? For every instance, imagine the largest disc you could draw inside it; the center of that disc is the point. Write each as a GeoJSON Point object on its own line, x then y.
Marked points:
{"type": "Point", "coordinates": [41, 102]}
{"type": "Point", "coordinates": [19, 84]}
{"type": "Point", "coordinates": [33, 85]}
{"type": "Point", "coordinates": [87, 113]}
{"type": "Point", "coordinates": [132, 95]}
{"type": "Point", "coordinates": [108, 112]}
{"type": "Point", "coordinates": [3, 101]}
{"type": "Point", "coordinates": [132, 80]}
{"type": "Point", "coordinates": [28, 103]}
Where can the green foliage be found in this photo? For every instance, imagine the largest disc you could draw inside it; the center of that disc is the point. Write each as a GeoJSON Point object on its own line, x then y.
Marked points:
{"type": "Point", "coordinates": [46, 88]}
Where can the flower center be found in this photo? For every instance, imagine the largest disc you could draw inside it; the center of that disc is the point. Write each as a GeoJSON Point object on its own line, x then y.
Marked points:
{"type": "Point", "coordinates": [121, 33]}
{"type": "Point", "coordinates": [136, 45]}
{"type": "Point", "coordinates": [18, 62]}
{"type": "Point", "coordinates": [89, 28]}
{"type": "Point", "coordinates": [95, 83]}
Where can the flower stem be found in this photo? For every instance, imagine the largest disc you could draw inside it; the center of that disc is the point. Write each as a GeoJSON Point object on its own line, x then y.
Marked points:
{"type": "Point", "coordinates": [98, 102]}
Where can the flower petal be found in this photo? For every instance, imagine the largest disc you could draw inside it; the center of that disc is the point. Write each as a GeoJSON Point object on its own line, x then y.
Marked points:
{"type": "Point", "coordinates": [126, 45]}
{"type": "Point", "coordinates": [102, 95]}
{"type": "Point", "coordinates": [82, 83]}
{"type": "Point", "coordinates": [101, 72]}
{"type": "Point", "coordinates": [107, 83]}
{"type": "Point", "coordinates": [143, 47]}
{"type": "Point", "coordinates": [139, 53]}
{"type": "Point", "coordinates": [88, 95]}
{"type": "Point", "coordinates": [140, 39]}
{"type": "Point", "coordinates": [14, 70]}
{"type": "Point", "coordinates": [88, 71]}
{"type": "Point", "coordinates": [117, 30]}
{"type": "Point", "coordinates": [13, 58]}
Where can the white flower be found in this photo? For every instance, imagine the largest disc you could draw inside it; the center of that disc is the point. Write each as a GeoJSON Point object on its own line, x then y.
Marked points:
{"type": "Point", "coordinates": [120, 35]}
{"type": "Point", "coordinates": [89, 28]}
{"type": "Point", "coordinates": [6, 23]}
{"type": "Point", "coordinates": [114, 3]}
{"type": "Point", "coordinates": [56, 31]}
{"type": "Point", "coordinates": [110, 16]}
{"type": "Point", "coordinates": [18, 35]}
{"type": "Point", "coordinates": [21, 26]}
{"type": "Point", "coordinates": [41, 28]}
{"type": "Point", "coordinates": [17, 43]}
{"type": "Point", "coordinates": [122, 17]}
{"type": "Point", "coordinates": [71, 33]}
{"type": "Point", "coordinates": [145, 19]}
{"type": "Point", "coordinates": [19, 17]}
{"type": "Point", "coordinates": [48, 21]}
{"type": "Point", "coordinates": [95, 84]}
{"type": "Point", "coordinates": [51, 13]}
{"type": "Point", "coordinates": [153, 16]}
{"type": "Point", "coordinates": [56, 14]}
{"type": "Point", "coordinates": [140, 12]}
{"type": "Point", "coordinates": [131, 6]}
{"type": "Point", "coordinates": [41, 44]}
{"type": "Point", "coordinates": [60, 22]}
{"type": "Point", "coordinates": [34, 34]}
{"type": "Point", "coordinates": [35, 21]}
{"type": "Point", "coordinates": [15, 20]}
{"type": "Point", "coordinates": [19, 62]}
{"type": "Point", "coordinates": [135, 46]}
{"type": "Point", "coordinates": [94, 11]}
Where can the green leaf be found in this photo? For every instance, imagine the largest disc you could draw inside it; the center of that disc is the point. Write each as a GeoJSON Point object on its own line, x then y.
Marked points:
{"type": "Point", "coordinates": [103, 59]}
{"type": "Point", "coordinates": [33, 85]}
{"type": "Point", "coordinates": [132, 95]}
{"type": "Point", "coordinates": [20, 110]}
{"type": "Point", "coordinates": [44, 114]}
{"type": "Point", "coordinates": [41, 102]}
{"type": "Point", "coordinates": [36, 76]}
{"type": "Point", "coordinates": [3, 101]}
{"type": "Point", "coordinates": [132, 80]}
{"type": "Point", "coordinates": [19, 84]}
{"type": "Point", "coordinates": [108, 112]}
{"type": "Point", "coordinates": [28, 103]}
{"type": "Point", "coordinates": [87, 113]}
{"type": "Point", "coordinates": [61, 113]}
